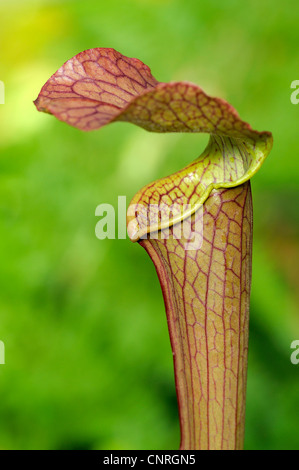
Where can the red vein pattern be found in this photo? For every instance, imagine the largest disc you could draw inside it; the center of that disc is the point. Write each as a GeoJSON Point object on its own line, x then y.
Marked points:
{"type": "Point", "coordinates": [206, 294]}
{"type": "Point", "coordinates": [92, 88]}
{"type": "Point", "coordinates": [225, 162]}
{"type": "Point", "coordinates": [100, 85]}
{"type": "Point", "coordinates": [206, 290]}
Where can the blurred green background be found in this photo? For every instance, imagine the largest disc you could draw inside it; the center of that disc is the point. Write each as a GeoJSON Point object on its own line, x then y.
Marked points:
{"type": "Point", "coordinates": [88, 359]}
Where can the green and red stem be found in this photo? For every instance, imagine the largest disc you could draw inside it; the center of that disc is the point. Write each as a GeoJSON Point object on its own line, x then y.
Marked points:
{"type": "Point", "coordinates": [206, 294]}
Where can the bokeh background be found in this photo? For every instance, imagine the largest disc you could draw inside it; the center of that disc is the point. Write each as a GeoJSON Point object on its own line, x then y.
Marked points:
{"type": "Point", "coordinates": [88, 359]}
